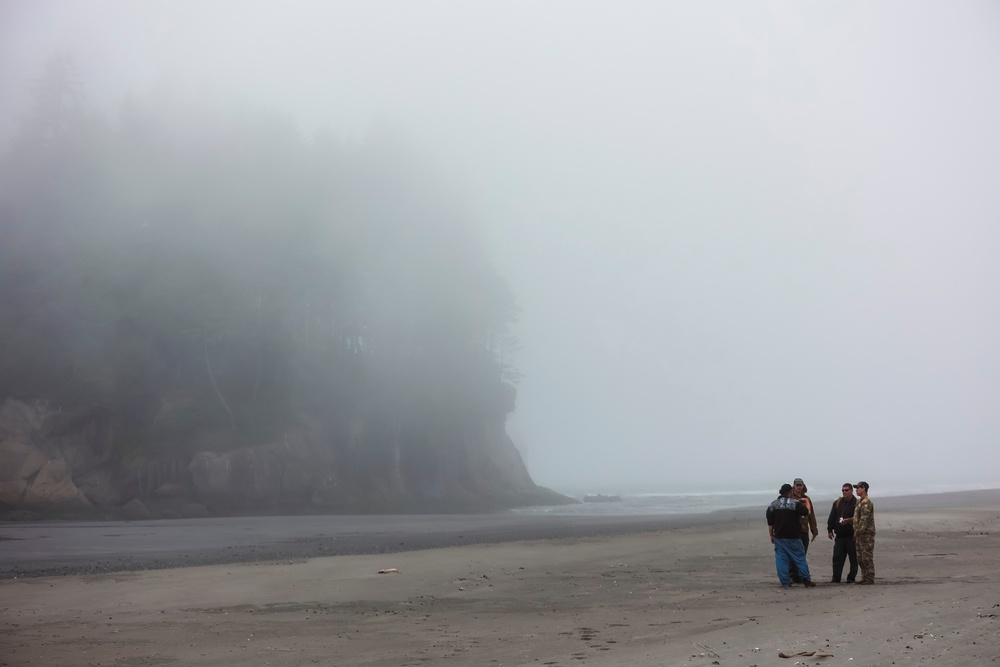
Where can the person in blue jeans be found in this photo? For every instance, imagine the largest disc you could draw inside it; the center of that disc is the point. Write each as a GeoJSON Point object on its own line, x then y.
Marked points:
{"type": "Point", "coordinates": [785, 529]}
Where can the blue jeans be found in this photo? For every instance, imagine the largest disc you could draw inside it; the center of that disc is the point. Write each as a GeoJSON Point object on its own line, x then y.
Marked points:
{"type": "Point", "coordinates": [786, 551]}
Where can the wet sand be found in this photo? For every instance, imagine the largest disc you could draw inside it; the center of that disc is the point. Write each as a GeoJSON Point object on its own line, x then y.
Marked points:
{"type": "Point", "coordinates": [701, 591]}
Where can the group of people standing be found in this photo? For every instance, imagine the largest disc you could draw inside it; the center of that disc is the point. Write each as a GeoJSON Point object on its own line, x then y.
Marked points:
{"type": "Point", "coordinates": [791, 519]}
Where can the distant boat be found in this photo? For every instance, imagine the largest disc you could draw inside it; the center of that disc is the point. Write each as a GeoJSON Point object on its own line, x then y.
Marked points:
{"type": "Point", "coordinates": [602, 498]}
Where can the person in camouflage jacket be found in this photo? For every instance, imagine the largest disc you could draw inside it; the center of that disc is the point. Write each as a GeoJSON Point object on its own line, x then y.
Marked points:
{"type": "Point", "coordinates": [864, 533]}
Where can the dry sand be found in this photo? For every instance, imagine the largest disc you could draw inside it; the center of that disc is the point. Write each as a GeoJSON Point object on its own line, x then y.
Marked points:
{"type": "Point", "coordinates": [692, 595]}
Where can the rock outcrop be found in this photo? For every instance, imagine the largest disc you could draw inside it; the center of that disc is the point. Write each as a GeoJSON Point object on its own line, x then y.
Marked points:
{"type": "Point", "coordinates": [59, 465]}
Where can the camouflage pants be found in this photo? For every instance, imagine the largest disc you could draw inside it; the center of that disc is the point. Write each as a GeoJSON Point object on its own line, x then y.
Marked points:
{"type": "Point", "coordinates": [866, 557]}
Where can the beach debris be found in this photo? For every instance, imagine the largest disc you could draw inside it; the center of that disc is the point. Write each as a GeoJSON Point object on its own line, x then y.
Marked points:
{"type": "Point", "coordinates": [707, 649]}
{"type": "Point", "coordinates": [805, 654]}
{"type": "Point", "coordinates": [389, 570]}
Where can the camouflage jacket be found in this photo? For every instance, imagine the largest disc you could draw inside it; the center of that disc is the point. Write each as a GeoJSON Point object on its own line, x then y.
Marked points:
{"type": "Point", "coordinates": [864, 517]}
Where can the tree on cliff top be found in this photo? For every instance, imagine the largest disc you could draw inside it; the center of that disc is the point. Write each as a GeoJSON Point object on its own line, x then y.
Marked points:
{"type": "Point", "coordinates": [182, 267]}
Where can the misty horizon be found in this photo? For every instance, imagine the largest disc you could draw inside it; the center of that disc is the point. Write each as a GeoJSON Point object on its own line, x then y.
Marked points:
{"type": "Point", "coordinates": [748, 243]}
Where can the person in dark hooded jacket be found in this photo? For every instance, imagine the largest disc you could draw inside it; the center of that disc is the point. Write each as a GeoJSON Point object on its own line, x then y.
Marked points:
{"type": "Point", "coordinates": [840, 529]}
{"type": "Point", "coordinates": [783, 527]}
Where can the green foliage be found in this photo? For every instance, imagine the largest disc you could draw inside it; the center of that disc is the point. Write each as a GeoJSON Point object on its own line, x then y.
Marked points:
{"type": "Point", "coordinates": [185, 269]}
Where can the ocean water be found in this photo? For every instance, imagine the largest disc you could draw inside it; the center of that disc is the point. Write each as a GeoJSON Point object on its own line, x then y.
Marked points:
{"type": "Point", "coordinates": [640, 504]}
{"type": "Point", "coordinates": [653, 504]}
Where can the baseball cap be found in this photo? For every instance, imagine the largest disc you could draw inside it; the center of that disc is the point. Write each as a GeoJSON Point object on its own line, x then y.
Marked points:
{"type": "Point", "coordinates": [798, 480]}
{"type": "Point", "coordinates": [861, 484]}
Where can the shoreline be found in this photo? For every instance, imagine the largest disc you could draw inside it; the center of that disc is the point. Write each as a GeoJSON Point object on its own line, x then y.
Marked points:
{"type": "Point", "coordinates": [40, 549]}
{"type": "Point", "coordinates": [698, 594]}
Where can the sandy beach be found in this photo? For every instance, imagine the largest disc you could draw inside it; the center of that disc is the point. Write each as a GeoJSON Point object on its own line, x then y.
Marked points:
{"type": "Point", "coordinates": [699, 593]}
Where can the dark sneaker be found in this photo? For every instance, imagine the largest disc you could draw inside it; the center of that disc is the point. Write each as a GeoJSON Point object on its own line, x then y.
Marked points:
{"type": "Point", "coordinates": [835, 581]}
{"type": "Point", "coordinates": [808, 583]}
{"type": "Point", "coordinates": [850, 581]}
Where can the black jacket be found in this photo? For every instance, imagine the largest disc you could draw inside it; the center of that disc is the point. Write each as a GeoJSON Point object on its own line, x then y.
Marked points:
{"type": "Point", "coordinates": [833, 522]}
{"type": "Point", "coordinates": [783, 515]}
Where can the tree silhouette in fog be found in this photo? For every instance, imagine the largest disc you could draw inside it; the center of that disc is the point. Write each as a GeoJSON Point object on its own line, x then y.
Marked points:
{"type": "Point", "coordinates": [181, 268]}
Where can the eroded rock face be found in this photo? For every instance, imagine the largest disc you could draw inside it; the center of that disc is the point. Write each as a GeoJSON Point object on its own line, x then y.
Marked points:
{"type": "Point", "coordinates": [135, 510]}
{"type": "Point", "coordinates": [19, 420]}
{"type": "Point", "coordinates": [57, 463]}
{"type": "Point", "coordinates": [281, 473]}
{"type": "Point", "coordinates": [53, 487]}
{"type": "Point", "coordinates": [37, 468]}
{"type": "Point", "coordinates": [108, 485]}
{"type": "Point", "coordinates": [19, 461]}
{"type": "Point", "coordinates": [29, 479]}
{"type": "Point", "coordinates": [12, 492]}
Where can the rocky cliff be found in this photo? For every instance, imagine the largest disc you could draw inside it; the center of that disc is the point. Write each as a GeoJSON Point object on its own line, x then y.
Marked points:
{"type": "Point", "coordinates": [282, 324]}
{"type": "Point", "coordinates": [58, 465]}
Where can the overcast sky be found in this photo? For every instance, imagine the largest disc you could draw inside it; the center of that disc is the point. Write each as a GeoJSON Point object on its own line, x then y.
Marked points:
{"type": "Point", "coordinates": [750, 240]}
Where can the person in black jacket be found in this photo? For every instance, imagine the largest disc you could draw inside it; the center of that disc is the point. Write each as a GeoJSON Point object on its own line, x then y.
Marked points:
{"type": "Point", "coordinates": [840, 529]}
{"type": "Point", "coordinates": [783, 527]}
